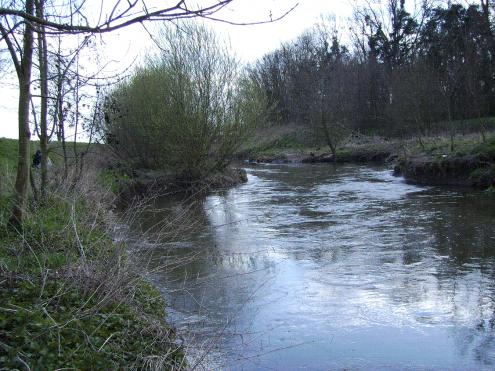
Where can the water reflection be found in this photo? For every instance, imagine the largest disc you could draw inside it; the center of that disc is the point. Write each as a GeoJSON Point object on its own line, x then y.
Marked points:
{"type": "Point", "coordinates": [323, 267]}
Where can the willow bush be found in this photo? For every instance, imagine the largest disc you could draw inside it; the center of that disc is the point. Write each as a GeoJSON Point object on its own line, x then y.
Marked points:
{"type": "Point", "coordinates": [187, 110]}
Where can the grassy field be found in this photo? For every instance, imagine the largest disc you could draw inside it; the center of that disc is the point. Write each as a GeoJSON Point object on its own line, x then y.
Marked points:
{"type": "Point", "coordinates": [8, 151]}
{"type": "Point", "coordinates": [71, 298]}
{"type": "Point", "coordinates": [463, 145]}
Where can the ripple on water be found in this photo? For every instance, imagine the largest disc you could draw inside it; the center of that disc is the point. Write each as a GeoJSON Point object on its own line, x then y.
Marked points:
{"type": "Point", "coordinates": [334, 267]}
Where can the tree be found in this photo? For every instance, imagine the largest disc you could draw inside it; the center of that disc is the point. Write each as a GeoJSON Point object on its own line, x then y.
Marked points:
{"type": "Point", "coordinates": [272, 74]}
{"type": "Point", "coordinates": [43, 72]}
{"type": "Point", "coordinates": [411, 69]}
{"type": "Point", "coordinates": [18, 15]}
{"type": "Point", "coordinates": [186, 111]}
{"type": "Point", "coordinates": [22, 58]}
{"type": "Point", "coordinates": [412, 108]}
{"type": "Point", "coordinates": [456, 44]}
{"type": "Point", "coordinates": [332, 107]}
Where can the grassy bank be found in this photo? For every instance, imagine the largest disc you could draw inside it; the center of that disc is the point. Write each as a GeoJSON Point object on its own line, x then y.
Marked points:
{"type": "Point", "coordinates": [294, 144]}
{"type": "Point", "coordinates": [472, 163]}
{"type": "Point", "coordinates": [464, 159]}
{"type": "Point", "coordinates": [71, 298]}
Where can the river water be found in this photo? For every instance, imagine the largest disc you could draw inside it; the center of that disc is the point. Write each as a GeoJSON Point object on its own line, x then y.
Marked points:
{"type": "Point", "coordinates": [322, 267]}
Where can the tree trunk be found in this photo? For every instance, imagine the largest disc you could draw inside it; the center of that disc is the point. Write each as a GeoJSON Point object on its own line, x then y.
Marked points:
{"type": "Point", "coordinates": [33, 186]}
{"type": "Point", "coordinates": [43, 66]}
{"type": "Point", "coordinates": [420, 141]}
{"type": "Point", "coordinates": [330, 142]}
{"type": "Point", "coordinates": [61, 118]}
{"type": "Point", "coordinates": [452, 136]}
{"type": "Point", "coordinates": [24, 75]}
{"type": "Point", "coordinates": [62, 137]}
{"type": "Point", "coordinates": [76, 124]}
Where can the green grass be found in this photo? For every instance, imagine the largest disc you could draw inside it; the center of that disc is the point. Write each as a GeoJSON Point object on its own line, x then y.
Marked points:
{"type": "Point", "coordinates": [490, 190]}
{"type": "Point", "coordinates": [275, 147]}
{"type": "Point", "coordinates": [56, 326]}
{"type": "Point", "coordinates": [468, 126]}
{"type": "Point", "coordinates": [60, 310]}
{"type": "Point", "coordinates": [113, 179]}
{"type": "Point", "coordinates": [8, 153]}
{"type": "Point", "coordinates": [463, 145]}
{"type": "Point", "coordinates": [274, 141]}
{"type": "Point", "coordinates": [56, 313]}
{"type": "Point", "coordinates": [9, 149]}
{"type": "Point", "coordinates": [8, 158]}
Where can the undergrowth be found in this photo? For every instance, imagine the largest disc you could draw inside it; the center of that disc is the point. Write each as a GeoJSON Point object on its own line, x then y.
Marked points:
{"type": "Point", "coordinates": [70, 297]}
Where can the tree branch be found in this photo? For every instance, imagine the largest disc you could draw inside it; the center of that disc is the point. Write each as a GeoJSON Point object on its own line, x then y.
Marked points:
{"type": "Point", "coordinates": [122, 19]}
{"type": "Point", "coordinates": [11, 48]}
{"type": "Point", "coordinates": [271, 20]}
{"type": "Point", "coordinates": [118, 21]}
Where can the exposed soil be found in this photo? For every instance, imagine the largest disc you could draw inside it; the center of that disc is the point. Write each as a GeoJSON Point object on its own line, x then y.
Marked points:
{"type": "Point", "coordinates": [467, 171]}
{"type": "Point", "coordinates": [146, 182]}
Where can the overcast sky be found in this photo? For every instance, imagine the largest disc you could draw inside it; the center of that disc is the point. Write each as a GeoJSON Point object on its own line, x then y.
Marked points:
{"type": "Point", "coordinates": [248, 42]}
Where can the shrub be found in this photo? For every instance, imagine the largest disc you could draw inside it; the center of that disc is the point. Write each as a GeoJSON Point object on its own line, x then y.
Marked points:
{"type": "Point", "coordinates": [187, 110]}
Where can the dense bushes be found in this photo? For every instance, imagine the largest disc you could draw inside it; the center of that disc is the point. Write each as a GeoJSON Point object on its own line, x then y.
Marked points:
{"type": "Point", "coordinates": [187, 110]}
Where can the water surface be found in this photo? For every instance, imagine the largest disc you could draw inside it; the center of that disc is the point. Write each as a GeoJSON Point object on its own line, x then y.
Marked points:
{"type": "Point", "coordinates": [318, 267]}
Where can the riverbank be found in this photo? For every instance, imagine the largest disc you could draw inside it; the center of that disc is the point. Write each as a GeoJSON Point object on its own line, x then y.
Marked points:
{"type": "Point", "coordinates": [470, 166]}
{"type": "Point", "coordinates": [72, 296]}
{"type": "Point", "coordinates": [142, 183]}
{"type": "Point", "coordinates": [431, 161]}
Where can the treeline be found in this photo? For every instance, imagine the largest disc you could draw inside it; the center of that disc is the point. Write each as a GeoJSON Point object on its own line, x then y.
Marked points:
{"type": "Point", "coordinates": [399, 73]}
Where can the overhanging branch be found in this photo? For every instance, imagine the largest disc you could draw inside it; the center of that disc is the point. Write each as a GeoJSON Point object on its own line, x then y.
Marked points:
{"type": "Point", "coordinates": [120, 19]}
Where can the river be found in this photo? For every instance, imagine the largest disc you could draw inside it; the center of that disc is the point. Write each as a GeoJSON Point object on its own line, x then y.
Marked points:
{"type": "Point", "coordinates": [323, 267]}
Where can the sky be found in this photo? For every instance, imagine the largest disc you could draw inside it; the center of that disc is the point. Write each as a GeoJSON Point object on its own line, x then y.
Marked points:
{"type": "Point", "coordinates": [249, 43]}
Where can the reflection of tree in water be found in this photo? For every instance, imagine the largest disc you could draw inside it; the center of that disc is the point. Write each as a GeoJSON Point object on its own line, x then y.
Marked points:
{"type": "Point", "coordinates": [463, 237]}
{"type": "Point", "coordinates": [426, 254]}
{"type": "Point", "coordinates": [466, 230]}
{"type": "Point", "coordinates": [207, 283]}
{"type": "Point", "coordinates": [478, 337]}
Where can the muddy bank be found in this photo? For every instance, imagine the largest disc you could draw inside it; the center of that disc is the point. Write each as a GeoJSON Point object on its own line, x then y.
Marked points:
{"type": "Point", "coordinates": [355, 155]}
{"type": "Point", "coordinates": [467, 171]}
{"type": "Point", "coordinates": [284, 158]}
{"type": "Point", "coordinates": [148, 182]}
{"type": "Point", "coordinates": [433, 163]}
